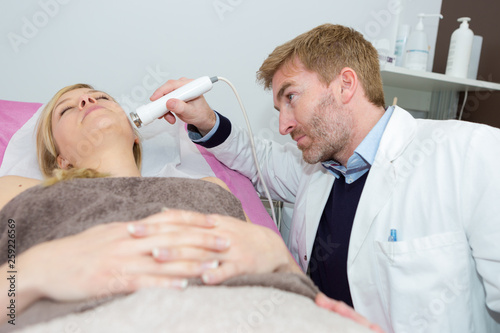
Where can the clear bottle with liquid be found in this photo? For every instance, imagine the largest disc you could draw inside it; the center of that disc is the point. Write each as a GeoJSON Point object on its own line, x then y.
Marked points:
{"type": "Point", "coordinates": [417, 47]}
{"type": "Point", "coordinates": [401, 39]}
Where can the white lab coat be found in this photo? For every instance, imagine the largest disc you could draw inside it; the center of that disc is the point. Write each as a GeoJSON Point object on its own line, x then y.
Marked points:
{"type": "Point", "coordinates": [438, 184]}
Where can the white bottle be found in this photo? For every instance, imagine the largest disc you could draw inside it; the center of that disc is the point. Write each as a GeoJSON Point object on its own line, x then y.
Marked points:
{"type": "Point", "coordinates": [460, 50]}
{"type": "Point", "coordinates": [417, 47]}
{"type": "Point", "coordinates": [401, 39]}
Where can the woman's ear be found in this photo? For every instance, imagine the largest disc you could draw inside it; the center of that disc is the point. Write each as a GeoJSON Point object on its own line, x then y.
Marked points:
{"type": "Point", "coordinates": [63, 163]}
{"type": "Point", "coordinates": [348, 84]}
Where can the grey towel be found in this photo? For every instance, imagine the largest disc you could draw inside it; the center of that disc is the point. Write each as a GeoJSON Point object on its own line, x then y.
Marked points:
{"type": "Point", "coordinates": [45, 213]}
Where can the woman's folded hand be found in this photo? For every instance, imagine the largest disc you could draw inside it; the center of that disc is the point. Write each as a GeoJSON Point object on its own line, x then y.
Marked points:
{"type": "Point", "coordinates": [250, 248]}
{"type": "Point", "coordinates": [120, 257]}
{"type": "Point", "coordinates": [164, 249]}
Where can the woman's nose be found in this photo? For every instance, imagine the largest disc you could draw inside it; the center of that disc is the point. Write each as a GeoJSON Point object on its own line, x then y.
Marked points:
{"type": "Point", "coordinates": [86, 99]}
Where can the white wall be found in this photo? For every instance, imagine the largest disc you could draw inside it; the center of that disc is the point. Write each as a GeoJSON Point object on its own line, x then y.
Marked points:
{"type": "Point", "coordinates": [128, 48]}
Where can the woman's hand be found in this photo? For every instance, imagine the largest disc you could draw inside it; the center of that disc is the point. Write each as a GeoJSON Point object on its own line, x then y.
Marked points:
{"type": "Point", "coordinates": [161, 250]}
{"type": "Point", "coordinates": [345, 311]}
{"type": "Point", "coordinates": [120, 258]}
{"type": "Point", "coordinates": [252, 249]}
{"type": "Point", "coordinates": [196, 112]}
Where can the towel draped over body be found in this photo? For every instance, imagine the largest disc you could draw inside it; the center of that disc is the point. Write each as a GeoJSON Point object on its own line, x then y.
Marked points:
{"type": "Point", "coordinates": [45, 213]}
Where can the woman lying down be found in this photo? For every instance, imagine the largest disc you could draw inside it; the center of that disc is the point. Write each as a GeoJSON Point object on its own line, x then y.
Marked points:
{"type": "Point", "coordinates": [95, 247]}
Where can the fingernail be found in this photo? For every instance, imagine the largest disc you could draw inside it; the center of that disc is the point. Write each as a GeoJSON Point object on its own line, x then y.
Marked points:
{"type": "Point", "coordinates": [210, 264]}
{"type": "Point", "coordinates": [160, 254]}
{"type": "Point", "coordinates": [180, 284]}
{"type": "Point", "coordinates": [211, 220]}
{"type": "Point", "coordinates": [136, 229]}
{"type": "Point", "coordinates": [222, 243]}
{"type": "Point", "coordinates": [172, 104]}
{"type": "Point", "coordinates": [165, 209]}
{"type": "Point", "coordinates": [206, 277]}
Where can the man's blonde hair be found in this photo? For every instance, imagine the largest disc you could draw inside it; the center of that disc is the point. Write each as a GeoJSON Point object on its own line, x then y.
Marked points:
{"type": "Point", "coordinates": [45, 143]}
{"type": "Point", "coordinates": [325, 50]}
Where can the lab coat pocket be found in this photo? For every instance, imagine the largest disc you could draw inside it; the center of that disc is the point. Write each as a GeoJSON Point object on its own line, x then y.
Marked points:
{"type": "Point", "coordinates": [425, 281]}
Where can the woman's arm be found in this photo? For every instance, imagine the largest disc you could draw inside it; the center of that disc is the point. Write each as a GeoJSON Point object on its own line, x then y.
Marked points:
{"type": "Point", "coordinates": [16, 291]}
{"type": "Point", "coordinates": [163, 249]}
{"type": "Point", "coordinates": [217, 181]}
{"type": "Point", "coordinates": [113, 258]}
{"type": "Point", "coordinates": [12, 186]}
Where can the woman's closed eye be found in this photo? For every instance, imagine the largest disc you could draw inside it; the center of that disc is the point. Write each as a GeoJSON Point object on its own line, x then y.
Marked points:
{"type": "Point", "coordinates": [64, 110]}
{"type": "Point", "coordinates": [102, 97]}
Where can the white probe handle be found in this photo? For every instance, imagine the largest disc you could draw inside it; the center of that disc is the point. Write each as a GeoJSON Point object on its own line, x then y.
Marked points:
{"type": "Point", "coordinates": [152, 111]}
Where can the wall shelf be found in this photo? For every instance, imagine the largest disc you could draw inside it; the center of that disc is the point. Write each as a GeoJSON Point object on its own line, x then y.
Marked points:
{"type": "Point", "coordinates": [427, 81]}
{"type": "Point", "coordinates": [429, 95]}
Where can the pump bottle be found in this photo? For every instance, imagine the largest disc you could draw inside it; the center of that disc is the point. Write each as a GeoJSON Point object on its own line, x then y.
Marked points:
{"type": "Point", "coordinates": [417, 47]}
{"type": "Point", "coordinates": [460, 50]}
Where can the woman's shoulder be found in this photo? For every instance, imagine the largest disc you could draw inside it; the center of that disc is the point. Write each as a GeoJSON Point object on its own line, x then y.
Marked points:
{"type": "Point", "coordinates": [19, 182]}
{"type": "Point", "coordinates": [217, 181]}
{"type": "Point", "coordinates": [14, 185]}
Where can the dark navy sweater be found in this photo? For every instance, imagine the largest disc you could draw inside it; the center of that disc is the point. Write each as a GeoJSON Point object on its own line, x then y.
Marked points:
{"type": "Point", "coordinates": [328, 265]}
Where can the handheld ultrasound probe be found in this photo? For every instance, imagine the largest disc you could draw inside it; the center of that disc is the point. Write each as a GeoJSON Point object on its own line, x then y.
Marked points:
{"type": "Point", "coordinates": [147, 113]}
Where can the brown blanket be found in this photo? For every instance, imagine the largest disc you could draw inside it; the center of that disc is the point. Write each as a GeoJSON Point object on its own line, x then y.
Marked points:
{"type": "Point", "coordinates": [67, 208]}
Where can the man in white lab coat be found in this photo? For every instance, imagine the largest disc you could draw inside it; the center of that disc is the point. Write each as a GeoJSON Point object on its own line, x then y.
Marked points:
{"type": "Point", "coordinates": [396, 216]}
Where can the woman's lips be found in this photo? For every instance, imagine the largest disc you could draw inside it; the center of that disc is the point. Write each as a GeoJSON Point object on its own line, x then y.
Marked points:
{"type": "Point", "coordinates": [90, 109]}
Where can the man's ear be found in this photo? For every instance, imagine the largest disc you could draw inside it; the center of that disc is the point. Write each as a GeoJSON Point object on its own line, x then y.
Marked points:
{"type": "Point", "coordinates": [63, 163]}
{"type": "Point", "coordinates": [348, 84]}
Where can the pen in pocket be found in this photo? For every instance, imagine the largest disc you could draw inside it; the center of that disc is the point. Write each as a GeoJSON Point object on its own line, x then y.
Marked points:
{"type": "Point", "coordinates": [393, 237]}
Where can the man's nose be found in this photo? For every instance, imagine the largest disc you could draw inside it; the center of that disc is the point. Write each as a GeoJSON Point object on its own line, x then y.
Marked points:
{"type": "Point", "coordinates": [86, 99]}
{"type": "Point", "coordinates": [287, 122]}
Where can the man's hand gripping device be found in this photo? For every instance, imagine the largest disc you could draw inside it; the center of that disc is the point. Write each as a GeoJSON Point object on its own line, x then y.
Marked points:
{"type": "Point", "coordinates": [146, 114]}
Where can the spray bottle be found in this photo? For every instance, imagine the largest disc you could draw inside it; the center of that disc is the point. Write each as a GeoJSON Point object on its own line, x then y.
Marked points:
{"type": "Point", "coordinates": [417, 47]}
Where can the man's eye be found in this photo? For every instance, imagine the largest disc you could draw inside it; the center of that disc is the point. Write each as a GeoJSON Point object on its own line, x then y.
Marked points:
{"type": "Point", "coordinates": [290, 97]}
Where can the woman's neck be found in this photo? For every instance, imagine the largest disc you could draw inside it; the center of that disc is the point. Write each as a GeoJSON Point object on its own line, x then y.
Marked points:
{"type": "Point", "coordinates": [116, 162]}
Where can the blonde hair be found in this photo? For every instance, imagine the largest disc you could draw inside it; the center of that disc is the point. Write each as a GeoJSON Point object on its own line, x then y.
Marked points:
{"type": "Point", "coordinates": [47, 150]}
{"type": "Point", "coordinates": [325, 50]}
{"type": "Point", "coordinates": [59, 175]}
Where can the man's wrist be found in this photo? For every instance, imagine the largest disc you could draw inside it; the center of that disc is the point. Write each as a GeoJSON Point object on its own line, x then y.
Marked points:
{"type": "Point", "coordinates": [217, 135]}
{"type": "Point", "coordinates": [213, 122]}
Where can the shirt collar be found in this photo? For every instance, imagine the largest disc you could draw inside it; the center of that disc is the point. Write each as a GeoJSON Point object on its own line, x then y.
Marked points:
{"type": "Point", "coordinates": [364, 155]}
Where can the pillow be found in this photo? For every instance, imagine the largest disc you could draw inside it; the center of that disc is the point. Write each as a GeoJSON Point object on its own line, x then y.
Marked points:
{"type": "Point", "coordinates": [167, 152]}
{"type": "Point", "coordinates": [13, 115]}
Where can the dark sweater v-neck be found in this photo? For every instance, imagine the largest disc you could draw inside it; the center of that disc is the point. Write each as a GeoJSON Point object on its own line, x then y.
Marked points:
{"type": "Point", "coordinates": [328, 265]}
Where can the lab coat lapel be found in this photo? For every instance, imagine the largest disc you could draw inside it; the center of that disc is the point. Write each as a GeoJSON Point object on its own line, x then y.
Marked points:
{"type": "Point", "coordinates": [317, 196]}
{"type": "Point", "coordinates": [382, 178]}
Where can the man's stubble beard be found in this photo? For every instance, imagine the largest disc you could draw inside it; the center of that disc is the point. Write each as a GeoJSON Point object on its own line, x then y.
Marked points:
{"type": "Point", "coordinates": [329, 130]}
